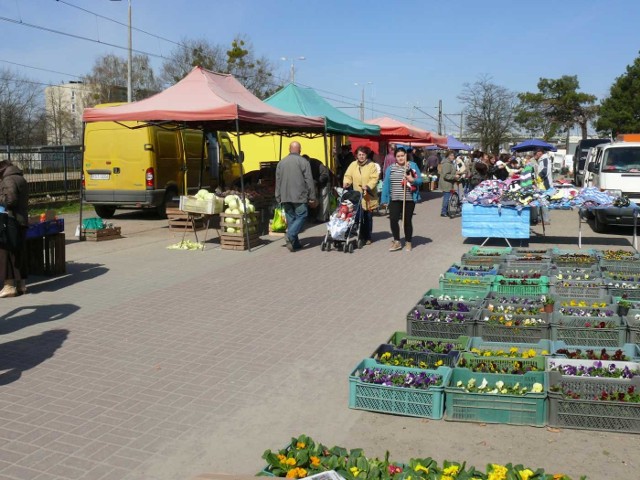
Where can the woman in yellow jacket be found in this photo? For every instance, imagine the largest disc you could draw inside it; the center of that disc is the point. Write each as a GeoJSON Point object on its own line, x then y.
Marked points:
{"type": "Point", "coordinates": [362, 175]}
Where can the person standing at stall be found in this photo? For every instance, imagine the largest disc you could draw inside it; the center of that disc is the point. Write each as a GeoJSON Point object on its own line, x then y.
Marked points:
{"type": "Point", "coordinates": [294, 190]}
{"type": "Point", "coordinates": [362, 175]}
{"type": "Point", "coordinates": [448, 179]}
{"type": "Point", "coordinates": [14, 199]}
{"type": "Point", "coordinates": [401, 190]}
{"type": "Point", "coordinates": [545, 176]}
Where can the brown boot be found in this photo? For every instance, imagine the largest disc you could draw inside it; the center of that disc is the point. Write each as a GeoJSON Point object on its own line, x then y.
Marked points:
{"type": "Point", "coordinates": [22, 287]}
{"type": "Point", "coordinates": [407, 246]}
{"type": "Point", "coordinates": [9, 289]}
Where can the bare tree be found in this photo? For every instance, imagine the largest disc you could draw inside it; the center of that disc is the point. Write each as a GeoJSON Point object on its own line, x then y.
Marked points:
{"type": "Point", "coordinates": [21, 110]}
{"type": "Point", "coordinates": [192, 53]}
{"type": "Point", "coordinates": [489, 110]}
{"type": "Point", "coordinates": [59, 117]}
{"type": "Point", "coordinates": [108, 80]}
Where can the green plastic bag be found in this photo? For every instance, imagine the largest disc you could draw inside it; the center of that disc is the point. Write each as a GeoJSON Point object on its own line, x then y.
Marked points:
{"type": "Point", "coordinates": [279, 222]}
{"type": "Point", "coordinates": [333, 202]}
{"type": "Point", "coordinates": [95, 223]}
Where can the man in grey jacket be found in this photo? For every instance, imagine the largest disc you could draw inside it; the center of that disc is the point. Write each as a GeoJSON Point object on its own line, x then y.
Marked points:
{"type": "Point", "coordinates": [294, 190]}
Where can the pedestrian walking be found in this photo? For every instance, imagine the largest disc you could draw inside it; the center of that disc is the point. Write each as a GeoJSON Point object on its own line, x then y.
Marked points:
{"type": "Point", "coordinates": [296, 192]}
{"type": "Point", "coordinates": [448, 179]}
{"type": "Point", "coordinates": [14, 200]}
{"type": "Point", "coordinates": [401, 192]}
{"type": "Point", "coordinates": [362, 175]}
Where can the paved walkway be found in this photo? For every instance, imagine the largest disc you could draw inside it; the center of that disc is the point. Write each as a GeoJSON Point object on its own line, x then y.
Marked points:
{"type": "Point", "coordinates": [149, 363]}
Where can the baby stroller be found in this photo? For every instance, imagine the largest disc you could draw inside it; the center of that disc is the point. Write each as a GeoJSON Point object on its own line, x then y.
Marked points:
{"type": "Point", "coordinates": [343, 229]}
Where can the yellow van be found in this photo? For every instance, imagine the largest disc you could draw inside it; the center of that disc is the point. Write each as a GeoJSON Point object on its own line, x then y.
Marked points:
{"type": "Point", "coordinates": [143, 167]}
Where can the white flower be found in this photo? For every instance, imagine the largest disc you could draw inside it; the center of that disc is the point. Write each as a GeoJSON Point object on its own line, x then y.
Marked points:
{"type": "Point", "coordinates": [459, 384]}
{"type": "Point", "coordinates": [483, 385]}
{"type": "Point", "coordinates": [495, 390]}
{"type": "Point", "coordinates": [536, 388]}
{"type": "Point", "coordinates": [499, 384]}
{"type": "Point", "coordinates": [471, 383]}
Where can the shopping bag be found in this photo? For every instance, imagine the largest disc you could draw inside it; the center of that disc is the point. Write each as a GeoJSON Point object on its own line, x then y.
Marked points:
{"type": "Point", "coordinates": [333, 202]}
{"type": "Point", "coordinates": [93, 223]}
{"type": "Point", "coordinates": [279, 222]}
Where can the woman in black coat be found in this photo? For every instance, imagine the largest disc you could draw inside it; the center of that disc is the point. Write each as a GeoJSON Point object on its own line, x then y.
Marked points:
{"type": "Point", "coordinates": [14, 199]}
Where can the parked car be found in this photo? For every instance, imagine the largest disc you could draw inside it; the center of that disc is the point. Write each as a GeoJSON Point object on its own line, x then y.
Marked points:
{"type": "Point", "coordinates": [580, 156]}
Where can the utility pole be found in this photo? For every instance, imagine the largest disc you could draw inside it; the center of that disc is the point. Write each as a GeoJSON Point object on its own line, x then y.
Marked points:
{"type": "Point", "coordinates": [129, 86]}
{"type": "Point", "coordinates": [439, 117]}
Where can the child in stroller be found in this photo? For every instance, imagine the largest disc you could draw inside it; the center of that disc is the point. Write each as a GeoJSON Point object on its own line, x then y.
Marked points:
{"type": "Point", "coordinates": [343, 229]}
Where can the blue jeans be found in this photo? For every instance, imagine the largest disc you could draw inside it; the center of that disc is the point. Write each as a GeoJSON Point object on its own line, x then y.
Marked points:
{"type": "Point", "coordinates": [445, 201]}
{"type": "Point", "coordinates": [296, 214]}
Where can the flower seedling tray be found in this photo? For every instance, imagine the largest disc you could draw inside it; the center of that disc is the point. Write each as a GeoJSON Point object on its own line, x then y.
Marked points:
{"type": "Point", "coordinates": [473, 270]}
{"type": "Point", "coordinates": [477, 250]}
{"type": "Point", "coordinates": [472, 361]}
{"type": "Point", "coordinates": [591, 289]}
{"type": "Point", "coordinates": [527, 409]}
{"type": "Point", "coordinates": [400, 339]}
{"type": "Point", "coordinates": [588, 412]}
{"type": "Point", "coordinates": [528, 260]}
{"type": "Point", "coordinates": [411, 402]}
{"type": "Point", "coordinates": [574, 331]}
{"type": "Point", "coordinates": [495, 332]}
{"type": "Point", "coordinates": [470, 298]}
{"type": "Point", "coordinates": [520, 286]}
{"type": "Point", "coordinates": [629, 350]}
{"type": "Point", "coordinates": [555, 362]}
{"type": "Point", "coordinates": [539, 347]}
{"type": "Point", "coordinates": [493, 297]}
{"type": "Point", "coordinates": [530, 251]}
{"type": "Point", "coordinates": [422, 360]}
{"type": "Point", "coordinates": [634, 331]}
{"type": "Point", "coordinates": [452, 283]}
{"type": "Point", "coordinates": [573, 258]}
{"type": "Point", "coordinates": [441, 304]}
{"type": "Point", "coordinates": [440, 329]}
{"type": "Point", "coordinates": [632, 266]}
{"type": "Point", "coordinates": [506, 270]}
{"type": "Point", "coordinates": [473, 259]}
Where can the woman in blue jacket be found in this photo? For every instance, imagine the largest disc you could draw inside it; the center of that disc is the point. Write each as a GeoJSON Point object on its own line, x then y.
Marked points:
{"type": "Point", "coordinates": [395, 195]}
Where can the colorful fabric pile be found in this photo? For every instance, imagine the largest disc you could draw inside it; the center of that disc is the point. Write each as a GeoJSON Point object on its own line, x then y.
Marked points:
{"type": "Point", "coordinates": [510, 193]}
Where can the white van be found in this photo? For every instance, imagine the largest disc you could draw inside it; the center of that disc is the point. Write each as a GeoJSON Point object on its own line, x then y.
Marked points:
{"type": "Point", "coordinates": [616, 168]}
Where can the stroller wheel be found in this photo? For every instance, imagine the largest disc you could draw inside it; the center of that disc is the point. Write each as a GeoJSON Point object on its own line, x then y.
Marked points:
{"type": "Point", "coordinates": [329, 246]}
{"type": "Point", "coordinates": [345, 247]}
{"type": "Point", "coordinates": [351, 248]}
{"type": "Point", "coordinates": [323, 246]}
{"type": "Point", "coordinates": [360, 243]}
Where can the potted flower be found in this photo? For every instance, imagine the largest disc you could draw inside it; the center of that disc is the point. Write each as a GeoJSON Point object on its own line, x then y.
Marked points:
{"type": "Point", "coordinates": [548, 302]}
{"type": "Point", "coordinates": [623, 307]}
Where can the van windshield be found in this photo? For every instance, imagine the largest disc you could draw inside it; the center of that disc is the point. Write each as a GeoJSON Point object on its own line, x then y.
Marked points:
{"type": "Point", "coordinates": [621, 160]}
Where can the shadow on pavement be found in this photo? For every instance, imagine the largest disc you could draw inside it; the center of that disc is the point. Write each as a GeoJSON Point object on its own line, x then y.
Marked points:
{"type": "Point", "coordinates": [21, 355]}
{"type": "Point", "coordinates": [76, 273]}
{"type": "Point", "coordinates": [23, 317]}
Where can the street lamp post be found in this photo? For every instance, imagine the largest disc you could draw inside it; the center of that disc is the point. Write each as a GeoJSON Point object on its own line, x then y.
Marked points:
{"type": "Point", "coordinates": [129, 59]}
{"type": "Point", "coordinates": [362, 97]}
{"type": "Point", "coordinates": [292, 71]}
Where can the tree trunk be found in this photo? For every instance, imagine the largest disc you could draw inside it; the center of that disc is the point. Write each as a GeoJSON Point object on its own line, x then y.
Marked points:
{"type": "Point", "coordinates": [583, 129]}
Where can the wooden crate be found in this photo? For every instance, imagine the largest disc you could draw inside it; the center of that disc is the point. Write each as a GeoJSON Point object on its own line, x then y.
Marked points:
{"type": "Point", "coordinates": [180, 221]}
{"type": "Point", "coordinates": [46, 255]}
{"type": "Point", "coordinates": [237, 240]}
{"type": "Point", "coordinates": [93, 235]}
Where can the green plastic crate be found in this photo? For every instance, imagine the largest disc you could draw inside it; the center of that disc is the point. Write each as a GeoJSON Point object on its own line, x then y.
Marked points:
{"type": "Point", "coordinates": [528, 409]}
{"type": "Point", "coordinates": [472, 298]}
{"type": "Point", "coordinates": [440, 329]}
{"type": "Point", "coordinates": [473, 270]}
{"type": "Point", "coordinates": [535, 286]}
{"type": "Point", "coordinates": [574, 332]}
{"type": "Point", "coordinates": [589, 289]}
{"type": "Point", "coordinates": [428, 358]}
{"type": "Point", "coordinates": [410, 402]}
{"type": "Point", "coordinates": [507, 270]}
{"type": "Point", "coordinates": [562, 257]}
{"type": "Point", "coordinates": [472, 361]}
{"type": "Point", "coordinates": [400, 338]}
{"type": "Point", "coordinates": [630, 350]}
{"type": "Point", "coordinates": [512, 334]}
{"type": "Point", "coordinates": [473, 259]}
{"type": "Point", "coordinates": [631, 290]}
{"type": "Point", "coordinates": [539, 347]}
{"type": "Point", "coordinates": [475, 250]}
{"type": "Point", "coordinates": [588, 413]}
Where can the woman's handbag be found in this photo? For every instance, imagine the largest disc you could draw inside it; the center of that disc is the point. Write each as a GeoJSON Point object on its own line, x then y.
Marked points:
{"type": "Point", "coordinates": [279, 222]}
{"type": "Point", "coordinates": [9, 232]}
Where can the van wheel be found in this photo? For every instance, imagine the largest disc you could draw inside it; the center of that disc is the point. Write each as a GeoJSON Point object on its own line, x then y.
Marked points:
{"type": "Point", "coordinates": [161, 209]}
{"type": "Point", "coordinates": [105, 211]}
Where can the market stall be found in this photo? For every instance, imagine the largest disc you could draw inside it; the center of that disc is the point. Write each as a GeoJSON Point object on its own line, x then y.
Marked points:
{"type": "Point", "coordinates": [210, 102]}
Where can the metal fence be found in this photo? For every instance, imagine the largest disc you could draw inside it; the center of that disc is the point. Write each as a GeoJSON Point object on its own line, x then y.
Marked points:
{"type": "Point", "coordinates": [52, 171]}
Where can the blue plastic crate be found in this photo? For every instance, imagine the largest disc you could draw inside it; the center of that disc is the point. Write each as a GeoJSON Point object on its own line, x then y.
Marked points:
{"type": "Point", "coordinates": [410, 402]}
{"type": "Point", "coordinates": [53, 227]}
{"type": "Point", "coordinates": [36, 230]}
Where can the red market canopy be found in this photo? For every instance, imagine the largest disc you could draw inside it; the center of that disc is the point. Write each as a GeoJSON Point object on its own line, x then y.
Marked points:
{"type": "Point", "coordinates": [217, 101]}
{"type": "Point", "coordinates": [395, 131]}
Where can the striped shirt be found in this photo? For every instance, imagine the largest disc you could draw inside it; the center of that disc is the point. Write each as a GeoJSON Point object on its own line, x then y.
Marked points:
{"type": "Point", "coordinates": [396, 175]}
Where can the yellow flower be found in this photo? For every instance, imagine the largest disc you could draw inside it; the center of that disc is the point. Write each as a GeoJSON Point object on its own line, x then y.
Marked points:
{"type": "Point", "coordinates": [573, 303]}
{"type": "Point", "coordinates": [476, 351]}
{"type": "Point", "coordinates": [498, 472]}
{"type": "Point", "coordinates": [300, 445]}
{"type": "Point", "coordinates": [525, 474]}
{"type": "Point", "coordinates": [421, 468]}
{"type": "Point", "coordinates": [487, 353]}
{"type": "Point", "coordinates": [302, 473]}
{"type": "Point", "coordinates": [544, 352]}
{"type": "Point", "coordinates": [282, 458]}
{"type": "Point", "coordinates": [385, 356]}
{"type": "Point", "coordinates": [439, 363]}
{"type": "Point", "coordinates": [355, 471]}
{"type": "Point", "coordinates": [291, 461]}
{"type": "Point", "coordinates": [513, 350]}
{"type": "Point", "coordinates": [451, 470]}
{"type": "Point", "coordinates": [558, 476]}
{"type": "Point", "coordinates": [315, 461]}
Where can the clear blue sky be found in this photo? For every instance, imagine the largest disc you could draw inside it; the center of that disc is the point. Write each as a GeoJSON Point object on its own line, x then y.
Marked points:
{"type": "Point", "coordinates": [415, 53]}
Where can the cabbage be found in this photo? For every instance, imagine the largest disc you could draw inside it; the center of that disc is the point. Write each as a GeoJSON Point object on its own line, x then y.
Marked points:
{"type": "Point", "coordinates": [238, 221]}
{"type": "Point", "coordinates": [227, 211]}
{"type": "Point", "coordinates": [235, 211]}
{"type": "Point", "coordinates": [202, 193]}
{"type": "Point", "coordinates": [241, 207]}
{"type": "Point", "coordinates": [229, 220]}
{"type": "Point", "coordinates": [231, 230]}
{"type": "Point", "coordinates": [231, 200]}
{"type": "Point", "coordinates": [210, 196]}
{"type": "Point", "coordinates": [251, 208]}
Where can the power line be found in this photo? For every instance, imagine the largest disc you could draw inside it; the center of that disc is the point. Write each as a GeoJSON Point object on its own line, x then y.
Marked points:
{"type": "Point", "coordinates": [41, 69]}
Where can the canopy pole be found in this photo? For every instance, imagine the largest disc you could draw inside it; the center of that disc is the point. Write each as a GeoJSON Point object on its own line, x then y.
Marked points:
{"type": "Point", "coordinates": [245, 226]}
{"type": "Point", "coordinates": [204, 142]}
{"type": "Point", "coordinates": [184, 163]}
{"type": "Point", "coordinates": [81, 236]}
{"type": "Point", "coordinates": [280, 154]}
